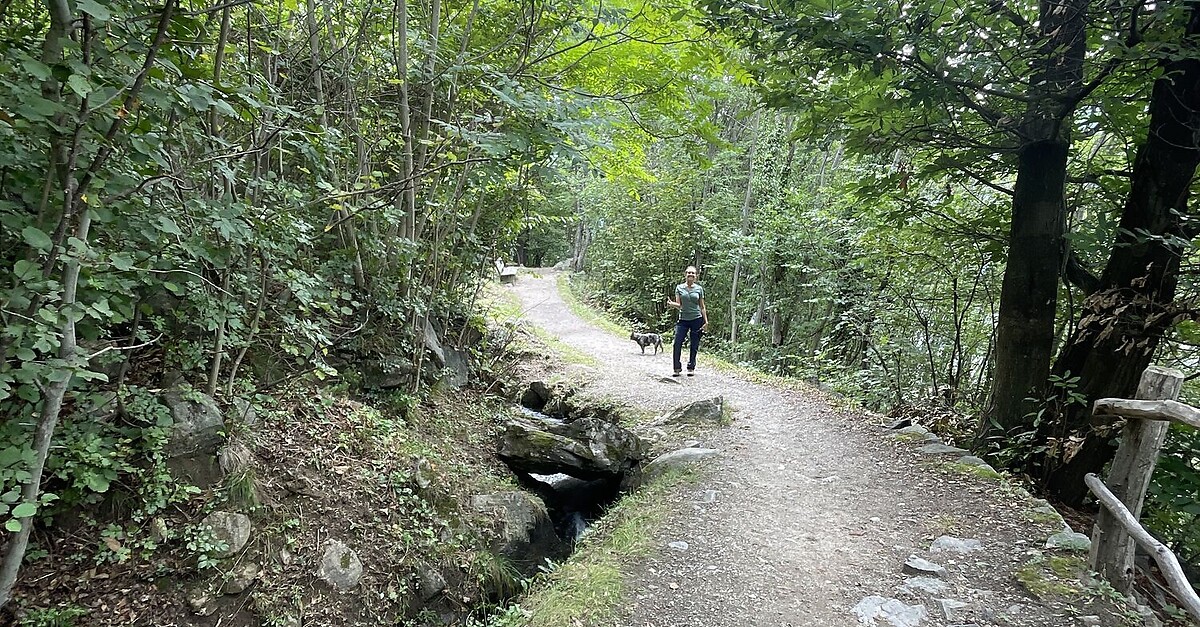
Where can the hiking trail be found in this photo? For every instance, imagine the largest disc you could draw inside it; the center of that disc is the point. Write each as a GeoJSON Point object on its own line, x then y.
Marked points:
{"type": "Point", "coordinates": [809, 509]}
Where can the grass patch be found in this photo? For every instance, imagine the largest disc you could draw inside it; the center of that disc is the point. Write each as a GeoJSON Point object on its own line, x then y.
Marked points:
{"type": "Point", "coordinates": [586, 312]}
{"type": "Point", "coordinates": [589, 588]}
{"type": "Point", "coordinates": [983, 472]}
{"type": "Point", "coordinates": [1053, 577]}
{"type": "Point", "coordinates": [945, 524]}
{"type": "Point", "coordinates": [914, 438]}
{"type": "Point", "coordinates": [1044, 514]}
{"type": "Point", "coordinates": [499, 302]}
{"type": "Point", "coordinates": [568, 353]}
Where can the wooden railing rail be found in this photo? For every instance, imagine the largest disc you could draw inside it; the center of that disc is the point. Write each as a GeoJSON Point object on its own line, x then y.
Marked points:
{"type": "Point", "coordinates": [1117, 530]}
{"type": "Point", "coordinates": [1171, 411]}
{"type": "Point", "coordinates": [1168, 564]}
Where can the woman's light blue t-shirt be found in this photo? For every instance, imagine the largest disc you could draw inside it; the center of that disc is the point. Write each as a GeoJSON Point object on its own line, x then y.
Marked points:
{"type": "Point", "coordinates": [689, 300]}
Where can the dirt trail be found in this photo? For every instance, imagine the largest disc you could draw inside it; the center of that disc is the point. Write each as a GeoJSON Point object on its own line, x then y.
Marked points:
{"type": "Point", "coordinates": [814, 507]}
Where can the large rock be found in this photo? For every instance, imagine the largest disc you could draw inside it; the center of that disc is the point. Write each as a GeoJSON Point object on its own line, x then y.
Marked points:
{"type": "Point", "coordinates": [197, 425]}
{"type": "Point", "coordinates": [938, 448]}
{"type": "Point", "coordinates": [923, 568]}
{"type": "Point", "coordinates": [340, 566]}
{"type": "Point", "coordinates": [244, 412]}
{"type": "Point", "coordinates": [430, 582]}
{"type": "Point", "coordinates": [232, 528]}
{"type": "Point", "coordinates": [433, 345]}
{"type": "Point", "coordinates": [524, 531]}
{"type": "Point", "coordinates": [458, 368]}
{"type": "Point", "coordinates": [676, 459]}
{"type": "Point", "coordinates": [588, 448]}
{"type": "Point", "coordinates": [706, 411]}
{"type": "Point", "coordinates": [951, 544]}
{"type": "Point", "coordinates": [1070, 541]}
{"type": "Point", "coordinates": [387, 374]}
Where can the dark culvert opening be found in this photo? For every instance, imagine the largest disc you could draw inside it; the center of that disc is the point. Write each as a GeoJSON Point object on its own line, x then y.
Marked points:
{"type": "Point", "coordinates": [572, 453]}
{"type": "Point", "coordinates": [574, 503]}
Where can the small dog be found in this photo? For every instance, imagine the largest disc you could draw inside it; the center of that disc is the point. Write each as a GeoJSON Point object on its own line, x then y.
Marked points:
{"type": "Point", "coordinates": [647, 339]}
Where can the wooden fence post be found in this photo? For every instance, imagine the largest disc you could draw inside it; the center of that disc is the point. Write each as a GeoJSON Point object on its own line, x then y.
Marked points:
{"type": "Point", "coordinates": [1129, 477]}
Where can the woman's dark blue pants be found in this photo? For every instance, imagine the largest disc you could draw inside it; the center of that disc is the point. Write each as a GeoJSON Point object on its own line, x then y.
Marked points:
{"type": "Point", "coordinates": [689, 329]}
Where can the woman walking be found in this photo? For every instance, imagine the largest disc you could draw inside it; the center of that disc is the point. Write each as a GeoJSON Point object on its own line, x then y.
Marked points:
{"type": "Point", "coordinates": [693, 319]}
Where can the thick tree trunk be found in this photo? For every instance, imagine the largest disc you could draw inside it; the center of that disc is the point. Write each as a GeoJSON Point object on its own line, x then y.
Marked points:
{"type": "Point", "coordinates": [1029, 293]}
{"type": "Point", "coordinates": [1121, 325]}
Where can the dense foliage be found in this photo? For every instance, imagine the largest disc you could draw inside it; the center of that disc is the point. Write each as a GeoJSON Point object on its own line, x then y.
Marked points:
{"type": "Point", "coordinates": [981, 209]}
{"type": "Point", "coordinates": [239, 194]}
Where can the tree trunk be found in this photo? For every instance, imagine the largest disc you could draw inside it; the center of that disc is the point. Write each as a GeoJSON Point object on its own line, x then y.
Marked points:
{"type": "Point", "coordinates": [747, 205]}
{"type": "Point", "coordinates": [1120, 326]}
{"type": "Point", "coordinates": [1029, 292]}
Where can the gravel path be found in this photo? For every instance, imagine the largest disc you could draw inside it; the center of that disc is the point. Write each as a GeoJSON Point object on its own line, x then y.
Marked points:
{"type": "Point", "coordinates": [814, 507]}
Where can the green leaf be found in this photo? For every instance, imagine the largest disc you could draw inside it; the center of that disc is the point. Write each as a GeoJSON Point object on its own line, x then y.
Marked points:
{"type": "Point", "coordinates": [13, 525]}
{"type": "Point", "coordinates": [121, 261]}
{"type": "Point", "coordinates": [39, 70]}
{"type": "Point", "coordinates": [9, 455]}
{"type": "Point", "coordinates": [26, 270]}
{"type": "Point", "coordinates": [37, 108]}
{"type": "Point", "coordinates": [24, 510]}
{"type": "Point", "coordinates": [37, 238]}
{"type": "Point", "coordinates": [97, 483]}
{"type": "Point", "coordinates": [95, 9]}
{"type": "Point", "coordinates": [167, 225]}
{"type": "Point", "coordinates": [24, 354]}
{"type": "Point", "coordinates": [79, 85]}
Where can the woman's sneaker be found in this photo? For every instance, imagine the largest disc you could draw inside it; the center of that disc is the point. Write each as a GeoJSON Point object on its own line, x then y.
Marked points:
{"type": "Point", "coordinates": [676, 373]}
{"type": "Point", "coordinates": [691, 373]}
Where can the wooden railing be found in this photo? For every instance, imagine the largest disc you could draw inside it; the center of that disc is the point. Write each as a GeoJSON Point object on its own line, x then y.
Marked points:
{"type": "Point", "coordinates": [1117, 530]}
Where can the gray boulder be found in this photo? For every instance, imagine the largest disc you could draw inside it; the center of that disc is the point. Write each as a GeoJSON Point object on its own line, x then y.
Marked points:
{"type": "Point", "coordinates": [588, 448]}
{"type": "Point", "coordinates": [458, 368]}
{"type": "Point", "coordinates": [240, 578]}
{"type": "Point", "coordinates": [921, 585]}
{"type": "Point", "coordinates": [387, 374]}
{"type": "Point", "coordinates": [244, 412]}
{"type": "Point", "coordinates": [950, 544]}
{"type": "Point", "coordinates": [340, 566]}
{"type": "Point", "coordinates": [676, 459]}
{"type": "Point", "coordinates": [877, 610]}
{"type": "Point", "coordinates": [524, 532]}
{"type": "Point", "coordinates": [922, 567]}
{"type": "Point", "coordinates": [430, 582]}
{"type": "Point", "coordinates": [197, 424]}
{"type": "Point", "coordinates": [707, 411]}
{"type": "Point", "coordinates": [942, 449]}
{"type": "Point", "coordinates": [1070, 541]}
{"type": "Point", "coordinates": [231, 528]}
{"type": "Point", "coordinates": [433, 345]}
